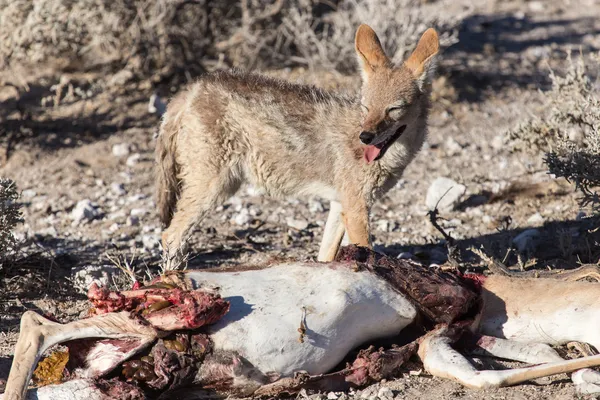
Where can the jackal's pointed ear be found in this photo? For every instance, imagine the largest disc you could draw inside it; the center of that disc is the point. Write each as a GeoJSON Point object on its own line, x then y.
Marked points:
{"type": "Point", "coordinates": [370, 53]}
{"type": "Point", "coordinates": [422, 61]}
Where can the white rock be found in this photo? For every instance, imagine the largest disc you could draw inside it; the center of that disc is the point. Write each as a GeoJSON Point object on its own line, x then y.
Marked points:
{"type": "Point", "coordinates": [299, 224]}
{"type": "Point", "coordinates": [156, 105]}
{"type": "Point", "coordinates": [315, 206]}
{"type": "Point", "coordinates": [120, 149]}
{"type": "Point", "coordinates": [527, 240]}
{"type": "Point", "coordinates": [83, 277]}
{"type": "Point", "coordinates": [444, 192]}
{"type": "Point", "coordinates": [118, 189]}
{"type": "Point", "coordinates": [28, 193]}
{"type": "Point", "coordinates": [382, 225]}
{"type": "Point", "coordinates": [138, 212]}
{"type": "Point", "coordinates": [452, 146]}
{"type": "Point", "coordinates": [535, 219]}
{"type": "Point", "coordinates": [242, 217]}
{"type": "Point", "coordinates": [149, 241]}
{"type": "Point", "coordinates": [133, 159]}
{"type": "Point", "coordinates": [84, 211]}
{"type": "Point", "coordinates": [385, 393]}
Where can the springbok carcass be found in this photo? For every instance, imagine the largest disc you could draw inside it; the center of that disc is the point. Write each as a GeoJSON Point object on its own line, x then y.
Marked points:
{"type": "Point", "coordinates": [264, 332]}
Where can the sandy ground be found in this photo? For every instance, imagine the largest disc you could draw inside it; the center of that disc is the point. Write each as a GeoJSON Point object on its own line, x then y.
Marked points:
{"type": "Point", "coordinates": [489, 82]}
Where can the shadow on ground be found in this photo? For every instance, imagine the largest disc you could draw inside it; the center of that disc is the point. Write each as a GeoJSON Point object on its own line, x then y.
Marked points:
{"type": "Point", "coordinates": [499, 51]}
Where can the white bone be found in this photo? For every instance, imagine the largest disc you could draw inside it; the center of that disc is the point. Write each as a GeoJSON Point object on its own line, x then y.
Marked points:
{"type": "Point", "coordinates": [37, 334]}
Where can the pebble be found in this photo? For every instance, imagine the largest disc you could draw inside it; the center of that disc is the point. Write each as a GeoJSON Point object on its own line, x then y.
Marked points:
{"type": "Point", "coordinates": [298, 224]}
{"type": "Point", "coordinates": [444, 192]}
{"type": "Point", "coordinates": [535, 219]}
{"type": "Point", "coordinates": [120, 149]}
{"type": "Point", "coordinates": [315, 206]}
{"type": "Point", "coordinates": [132, 220]}
{"type": "Point", "coordinates": [527, 241]}
{"type": "Point", "coordinates": [84, 277]}
{"type": "Point", "coordinates": [133, 159]}
{"type": "Point", "coordinates": [138, 212]}
{"type": "Point", "coordinates": [118, 189]}
{"type": "Point", "coordinates": [149, 241]}
{"type": "Point", "coordinates": [242, 217]}
{"type": "Point", "coordinates": [28, 193]}
{"type": "Point", "coordinates": [84, 211]}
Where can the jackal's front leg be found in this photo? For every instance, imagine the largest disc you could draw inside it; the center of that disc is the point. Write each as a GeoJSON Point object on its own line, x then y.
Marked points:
{"type": "Point", "coordinates": [355, 215]}
{"type": "Point", "coordinates": [332, 234]}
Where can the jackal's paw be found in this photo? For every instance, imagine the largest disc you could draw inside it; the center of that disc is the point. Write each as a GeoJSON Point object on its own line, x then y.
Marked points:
{"type": "Point", "coordinates": [586, 381]}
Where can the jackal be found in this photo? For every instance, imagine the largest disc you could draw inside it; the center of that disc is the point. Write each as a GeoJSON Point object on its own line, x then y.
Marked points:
{"type": "Point", "coordinates": [231, 127]}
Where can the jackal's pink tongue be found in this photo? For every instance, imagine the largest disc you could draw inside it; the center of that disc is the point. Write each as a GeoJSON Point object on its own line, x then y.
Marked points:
{"type": "Point", "coordinates": [371, 153]}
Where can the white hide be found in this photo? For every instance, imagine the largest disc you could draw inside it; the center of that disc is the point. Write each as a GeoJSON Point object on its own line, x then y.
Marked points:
{"type": "Point", "coordinates": [344, 309]}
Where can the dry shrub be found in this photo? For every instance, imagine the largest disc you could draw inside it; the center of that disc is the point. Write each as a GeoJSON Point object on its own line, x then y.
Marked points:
{"type": "Point", "coordinates": [10, 216]}
{"type": "Point", "coordinates": [570, 132]}
{"type": "Point", "coordinates": [147, 36]}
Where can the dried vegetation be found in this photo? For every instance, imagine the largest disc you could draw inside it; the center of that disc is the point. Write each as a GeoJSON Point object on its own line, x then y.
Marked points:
{"type": "Point", "coordinates": [152, 37]}
{"type": "Point", "coordinates": [569, 133]}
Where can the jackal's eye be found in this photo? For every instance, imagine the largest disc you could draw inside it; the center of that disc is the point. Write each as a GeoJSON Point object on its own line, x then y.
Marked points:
{"type": "Point", "coordinates": [395, 113]}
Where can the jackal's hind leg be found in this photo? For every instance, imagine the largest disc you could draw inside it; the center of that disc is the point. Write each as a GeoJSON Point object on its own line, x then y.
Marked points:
{"type": "Point", "coordinates": [205, 192]}
{"type": "Point", "coordinates": [332, 234]}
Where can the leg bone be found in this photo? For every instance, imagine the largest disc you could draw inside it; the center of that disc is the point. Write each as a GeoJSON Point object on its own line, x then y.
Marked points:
{"type": "Point", "coordinates": [440, 359]}
{"type": "Point", "coordinates": [37, 334]}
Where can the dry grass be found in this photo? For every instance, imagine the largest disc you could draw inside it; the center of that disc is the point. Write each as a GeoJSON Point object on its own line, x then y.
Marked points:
{"type": "Point", "coordinates": [161, 36]}
{"type": "Point", "coordinates": [570, 132]}
{"type": "Point", "coordinates": [10, 216]}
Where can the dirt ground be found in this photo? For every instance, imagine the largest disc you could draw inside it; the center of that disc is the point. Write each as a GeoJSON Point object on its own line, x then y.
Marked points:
{"type": "Point", "coordinates": [95, 142]}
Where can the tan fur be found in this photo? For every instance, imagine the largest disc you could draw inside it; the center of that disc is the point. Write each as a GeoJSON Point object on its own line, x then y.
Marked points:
{"type": "Point", "coordinates": [540, 310]}
{"type": "Point", "coordinates": [234, 127]}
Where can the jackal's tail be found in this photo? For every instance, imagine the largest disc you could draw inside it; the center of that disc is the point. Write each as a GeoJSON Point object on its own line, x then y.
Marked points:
{"type": "Point", "coordinates": [166, 182]}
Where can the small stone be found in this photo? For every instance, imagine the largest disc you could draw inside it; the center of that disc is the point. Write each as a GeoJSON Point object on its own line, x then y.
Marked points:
{"type": "Point", "coordinates": [497, 142]}
{"type": "Point", "coordinates": [84, 277]}
{"type": "Point", "coordinates": [28, 193]}
{"type": "Point", "coordinates": [452, 146]}
{"type": "Point", "coordinates": [149, 241]}
{"type": "Point", "coordinates": [527, 241]}
{"type": "Point", "coordinates": [118, 189]}
{"type": "Point", "coordinates": [382, 225]}
{"type": "Point", "coordinates": [315, 206]}
{"type": "Point", "coordinates": [133, 159]}
{"type": "Point", "coordinates": [132, 220]}
{"type": "Point", "coordinates": [385, 393]}
{"type": "Point", "coordinates": [138, 212]}
{"type": "Point", "coordinates": [535, 219]}
{"type": "Point", "coordinates": [298, 224]}
{"type": "Point", "coordinates": [332, 396]}
{"type": "Point", "coordinates": [114, 227]}
{"type": "Point", "coordinates": [84, 211]}
{"type": "Point", "coordinates": [445, 193]}
{"type": "Point", "coordinates": [242, 217]}
{"type": "Point", "coordinates": [120, 149]}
